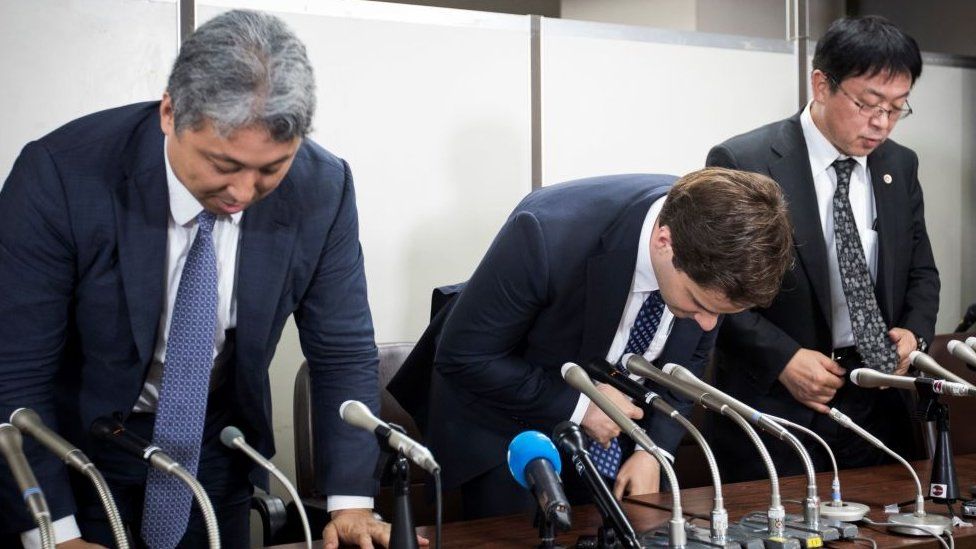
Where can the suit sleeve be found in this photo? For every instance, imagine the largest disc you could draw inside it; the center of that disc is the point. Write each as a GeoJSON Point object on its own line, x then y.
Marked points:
{"type": "Point", "coordinates": [336, 332]}
{"type": "Point", "coordinates": [37, 276]}
{"type": "Point", "coordinates": [748, 331]}
{"type": "Point", "coordinates": [479, 350]}
{"type": "Point", "coordinates": [922, 294]}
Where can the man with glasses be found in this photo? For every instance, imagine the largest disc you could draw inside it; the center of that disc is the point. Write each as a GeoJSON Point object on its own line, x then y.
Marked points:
{"type": "Point", "coordinates": [864, 291]}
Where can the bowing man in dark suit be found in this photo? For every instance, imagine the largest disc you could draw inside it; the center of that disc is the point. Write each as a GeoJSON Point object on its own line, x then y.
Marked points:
{"type": "Point", "coordinates": [864, 291]}
{"type": "Point", "coordinates": [149, 258]}
{"type": "Point", "coordinates": [591, 269]}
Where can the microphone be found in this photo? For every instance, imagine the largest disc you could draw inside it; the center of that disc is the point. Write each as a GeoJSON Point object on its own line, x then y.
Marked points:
{"type": "Point", "coordinates": [12, 447]}
{"type": "Point", "coordinates": [604, 372]}
{"type": "Point", "coordinates": [357, 414]}
{"type": "Point", "coordinates": [111, 430]}
{"type": "Point", "coordinates": [232, 437]}
{"type": "Point", "coordinates": [577, 377]}
{"type": "Point", "coordinates": [534, 462]}
{"type": "Point", "coordinates": [866, 377]}
{"type": "Point", "coordinates": [926, 364]}
{"type": "Point", "coordinates": [30, 423]}
{"type": "Point", "coordinates": [964, 351]}
{"type": "Point", "coordinates": [569, 439]}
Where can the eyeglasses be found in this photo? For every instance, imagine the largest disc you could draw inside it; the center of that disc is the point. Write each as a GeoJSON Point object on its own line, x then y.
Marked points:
{"type": "Point", "coordinates": [872, 111]}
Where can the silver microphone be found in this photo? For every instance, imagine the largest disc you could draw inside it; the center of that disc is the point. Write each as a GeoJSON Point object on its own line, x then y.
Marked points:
{"type": "Point", "coordinates": [928, 365]}
{"type": "Point", "coordinates": [12, 448]}
{"type": "Point", "coordinates": [868, 378]}
{"type": "Point", "coordinates": [357, 414]}
{"type": "Point", "coordinates": [232, 437]}
{"type": "Point", "coordinates": [963, 351]}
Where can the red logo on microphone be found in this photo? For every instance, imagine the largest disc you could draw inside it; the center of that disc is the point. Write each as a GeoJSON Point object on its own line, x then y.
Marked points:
{"type": "Point", "coordinates": [937, 490]}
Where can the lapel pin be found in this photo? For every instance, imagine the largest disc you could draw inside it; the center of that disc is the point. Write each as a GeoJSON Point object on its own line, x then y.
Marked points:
{"type": "Point", "coordinates": [887, 178]}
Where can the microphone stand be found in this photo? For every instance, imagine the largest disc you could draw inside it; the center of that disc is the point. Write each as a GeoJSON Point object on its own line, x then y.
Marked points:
{"type": "Point", "coordinates": [547, 530]}
{"type": "Point", "coordinates": [943, 483]}
{"type": "Point", "coordinates": [403, 535]}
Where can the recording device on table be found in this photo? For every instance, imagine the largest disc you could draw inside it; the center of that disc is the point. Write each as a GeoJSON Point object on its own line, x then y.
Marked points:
{"type": "Point", "coordinates": [394, 464]}
{"type": "Point", "coordinates": [534, 463]}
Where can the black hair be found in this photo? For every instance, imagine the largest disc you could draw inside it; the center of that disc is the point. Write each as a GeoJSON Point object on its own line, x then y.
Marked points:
{"type": "Point", "coordinates": [868, 45]}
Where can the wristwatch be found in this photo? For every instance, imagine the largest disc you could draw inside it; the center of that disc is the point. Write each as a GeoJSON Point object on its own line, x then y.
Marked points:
{"type": "Point", "coordinates": [923, 346]}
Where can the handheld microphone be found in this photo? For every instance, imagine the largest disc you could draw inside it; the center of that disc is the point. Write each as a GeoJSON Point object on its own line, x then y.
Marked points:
{"type": "Point", "coordinates": [604, 372]}
{"type": "Point", "coordinates": [29, 422]}
{"type": "Point", "coordinates": [357, 414]}
{"type": "Point", "coordinates": [926, 364]}
{"type": "Point", "coordinates": [232, 437]}
{"type": "Point", "coordinates": [111, 430]}
{"type": "Point", "coordinates": [569, 439]}
{"type": "Point", "coordinates": [964, 351]}
{"type": "Point", "coordinates": [534, 462]}
{"type": "Point", "coordinates": [866, 377]}
{"type": "Point", "coordinates": [12, 448]}
{"type": "Point", "coordinates": [577, 377]}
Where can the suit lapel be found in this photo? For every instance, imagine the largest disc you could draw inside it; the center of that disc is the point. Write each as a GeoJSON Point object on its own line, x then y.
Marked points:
{"type": "Point", "coordinates": [879, 165]}
{"type": "Point", "coordinates": [792, 172]}
{"type": "Point", "coordinates": [142, 210]}
{"type": "Point", "coordinates": [267, 238]}
{"type": "Point", "coordinates": [608, 278]}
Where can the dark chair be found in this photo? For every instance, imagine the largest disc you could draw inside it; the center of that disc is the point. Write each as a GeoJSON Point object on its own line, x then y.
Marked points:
{"type": "Point", "coordinates": [391, 357]}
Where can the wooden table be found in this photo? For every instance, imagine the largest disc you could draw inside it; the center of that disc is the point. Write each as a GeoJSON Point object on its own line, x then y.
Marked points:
{"type": "Point", "coordinates": [873, 486]}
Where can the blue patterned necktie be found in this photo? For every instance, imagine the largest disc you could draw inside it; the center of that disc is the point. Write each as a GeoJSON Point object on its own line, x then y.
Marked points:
{"type": "Point", "coordinates": [870, 331]}
{"type": "Point", "coordinates": [182, 405]}
{"type": "Point", "coordinates": [607, 460]}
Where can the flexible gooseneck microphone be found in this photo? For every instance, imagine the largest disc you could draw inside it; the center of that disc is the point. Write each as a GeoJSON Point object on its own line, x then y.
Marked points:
{"type": "Point", "coordinates": [232, 437]}
{"type": "Point", "coordinates": [569, 439]}
{"type": "Point", "coordinates": [30, 423]}
{"type": "Point", "coordinates": [12, 448]}
{"type": "Point", "coordinates": [917, 523]}
{"type": "Point", "coordinates": [112, 431]}
{"type": "Point", "coordinates": [866, 377]}
{"type": "Point", "coordinates": [604, 372]}
{"type": "Point", "coordinates": [777, 513]}
{"type": "Point", "coordinates": [928, 365]}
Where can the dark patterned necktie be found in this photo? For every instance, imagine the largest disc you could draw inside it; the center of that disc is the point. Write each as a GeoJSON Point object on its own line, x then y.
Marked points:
{"type": "Point", "coordinates": [178, 428]}
{"type": "Point", "coordinates": [607, 460]}
{"type": "Point", "coordinates": [870, 331]}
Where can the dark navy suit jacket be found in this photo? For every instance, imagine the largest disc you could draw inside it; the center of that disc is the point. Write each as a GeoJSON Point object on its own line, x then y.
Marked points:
{"type": "Point", "coordinates": [83, 221]}
{"type": "Point", "coordinates": [551, 289]}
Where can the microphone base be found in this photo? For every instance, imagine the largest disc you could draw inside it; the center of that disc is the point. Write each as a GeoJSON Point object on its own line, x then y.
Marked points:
{"type": "Point", "coordinates": [847, 511]}
{"type": "Point", "coordinates": [825, 531]}
{"type": "Point", "coordinates": [910, 524]}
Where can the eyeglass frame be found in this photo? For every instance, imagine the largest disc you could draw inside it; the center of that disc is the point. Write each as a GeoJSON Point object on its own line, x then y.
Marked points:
{"type": "Point", "coordinates": [874, 111]}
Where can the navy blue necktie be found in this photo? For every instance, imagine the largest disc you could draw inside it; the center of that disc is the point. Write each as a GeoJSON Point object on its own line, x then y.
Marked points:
{"type": "Point", "coordinates": [178, 429]}
{"type": "Point", "coordinates": [607, 460]}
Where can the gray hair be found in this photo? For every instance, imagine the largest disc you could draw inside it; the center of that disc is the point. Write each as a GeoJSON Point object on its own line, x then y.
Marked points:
{"type": "Point", "coordinates": [241, 69]}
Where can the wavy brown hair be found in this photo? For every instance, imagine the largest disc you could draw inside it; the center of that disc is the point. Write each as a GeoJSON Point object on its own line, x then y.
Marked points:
{"type": "Point", "coordinates": [730, 232]}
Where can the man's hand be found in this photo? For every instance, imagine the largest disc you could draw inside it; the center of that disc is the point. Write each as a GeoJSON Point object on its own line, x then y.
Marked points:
{"type": "Point", "coordinates": [640, 474]}
{"type": "Point", "coordinates": [598, 425]}
{"type": "Point", "coordinates": [358, 527]}
{"type": "Point", "coordinates": [812, 378]}
{"type": "Point", "coordinates": [78, 543]}
{"type": "Point", "coordinates": [905, 343]}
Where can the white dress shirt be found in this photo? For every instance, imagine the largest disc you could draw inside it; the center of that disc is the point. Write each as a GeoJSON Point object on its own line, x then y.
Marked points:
{"type": "Point", "coordinates": [822, 155]}
{"type": "Point", "coordinates": [643, 283]}
{"type": "Point", "coordinates": [180, 232]}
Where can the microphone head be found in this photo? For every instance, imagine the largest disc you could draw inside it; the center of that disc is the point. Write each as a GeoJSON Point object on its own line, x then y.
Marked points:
{"type": "Point", "coordinates": [568, 437]}
{"type": "Point", "coordinates": [567, 368]}
{"type": "Point", "coordinates": [527, 447]}
{"type": "Point", "coordinates": [229, 435]}
{"type": "Point", "coordinates": [24, 417]}
{"type": "Point", "coordinates": [855, 376]}
{"type": "Point", "coordinates": [10, 438]}
{"type": "Point", "coordinates": [971, 341]}
{"type": "Point", "coordinates": [105, 427]}
{"type": "Point", "coordinates": [954, 346]}
{"type": "Point", "coordinates": [915, 357]}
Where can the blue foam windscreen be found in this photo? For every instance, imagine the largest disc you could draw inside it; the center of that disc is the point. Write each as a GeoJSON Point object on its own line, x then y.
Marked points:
{"type": "Point", "coordinates": [528, 446]}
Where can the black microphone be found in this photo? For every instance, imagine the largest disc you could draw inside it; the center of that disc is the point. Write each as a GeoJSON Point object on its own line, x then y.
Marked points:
{"type": "Point", "coordinates": [866, 377]}
{"type": "Point", "coordinates": [12, 447]}
{"type": "Point", "coordinates": [569, 439]}
{"type": "Point", "coordinates": [112, 430]}
{"type": "Point", "coordinates": [604, 372]}
{"type": "Point", "coordinates": [534, 462]}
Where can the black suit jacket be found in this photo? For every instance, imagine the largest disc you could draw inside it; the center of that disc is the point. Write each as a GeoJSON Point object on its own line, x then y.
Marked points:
{"type": "Point", "coordinates": [754, 346]}
{"type": "Point", "coordinates": [551, 289]}
{"type": "Point", "coordinates": [83, 221]}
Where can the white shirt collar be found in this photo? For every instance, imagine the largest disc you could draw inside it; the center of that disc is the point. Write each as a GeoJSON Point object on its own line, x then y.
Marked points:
{"type": "Point", "coordinates": [183, 206]}
{"type": "Point", "coordinates": [644, 279]}
{"type": "Point", "coordinates": [822, 152]}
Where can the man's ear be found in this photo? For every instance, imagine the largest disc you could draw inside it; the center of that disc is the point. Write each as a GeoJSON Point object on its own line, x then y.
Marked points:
{"type": "Point", "coordinates": [167, 121]}
{"type": "Point", "coordinates": [820, 85]}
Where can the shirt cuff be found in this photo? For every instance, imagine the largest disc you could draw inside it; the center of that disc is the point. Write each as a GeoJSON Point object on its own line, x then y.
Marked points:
{"type": "Point", "coordinates": [335, 503]}
{"type": "Point", "coordinates": [64, 529]}
{"type": "Point", "coordinates": [581, 405]}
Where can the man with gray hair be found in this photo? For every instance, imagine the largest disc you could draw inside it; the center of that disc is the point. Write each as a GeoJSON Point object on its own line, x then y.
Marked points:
{"type": "Point", "coordinates": [150, 256]}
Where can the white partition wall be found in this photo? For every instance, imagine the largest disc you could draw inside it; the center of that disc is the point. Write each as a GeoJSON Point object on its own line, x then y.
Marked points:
{"type": "Point", "coordinates": [621, 99]}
